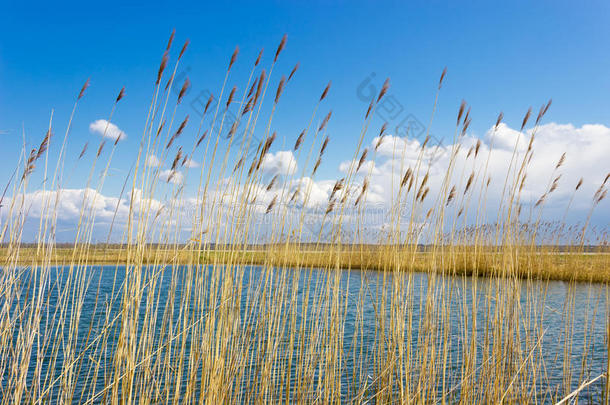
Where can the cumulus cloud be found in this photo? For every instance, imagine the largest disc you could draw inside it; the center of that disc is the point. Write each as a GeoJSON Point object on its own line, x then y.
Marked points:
{"type": "Point", "coordinates": [153, 161]}
{"type": "Point", "coordinates": [107, 130]}
{"type": "Point", "coordinates": [367, 167]}
{"type": "Point", "coordinates": [190, 163]}
{"type": "Point", "coordinates": [281, 162]}
{"type": "Point", "coordinates": [587, 149]}
{"type": "Point", "coordinates": [171, 176]}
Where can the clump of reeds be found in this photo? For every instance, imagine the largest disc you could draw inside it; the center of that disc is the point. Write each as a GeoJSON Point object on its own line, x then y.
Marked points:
{"type": "Point", "coordinates": [252, 308]}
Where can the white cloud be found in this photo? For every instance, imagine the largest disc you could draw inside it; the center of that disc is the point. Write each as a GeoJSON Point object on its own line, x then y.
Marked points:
{"type": "Point", "coordinates": [587, 149]}
{"type": "Point", "coordinates": [153, 161]}
{"type": "Point", "coordinates": [190, 163]}
{"type": "Point", "coordinates": [367, 167]}
{"type": "Point", "coordinates": [171, 176]}
{"type": "Point", "coordinates": [281, 162]}
{"type": "Point", "coordinates": [107, 130]}
{"type": "Point", "coordinates": [69, 203]}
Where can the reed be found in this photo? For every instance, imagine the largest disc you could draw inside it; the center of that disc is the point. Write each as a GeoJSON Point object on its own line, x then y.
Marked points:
{"type": "Point", "coordinates": [226, 298]}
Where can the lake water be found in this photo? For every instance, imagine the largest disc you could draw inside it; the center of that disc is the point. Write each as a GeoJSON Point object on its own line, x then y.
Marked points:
{"type": "Point", "coordinates": [576, 310]}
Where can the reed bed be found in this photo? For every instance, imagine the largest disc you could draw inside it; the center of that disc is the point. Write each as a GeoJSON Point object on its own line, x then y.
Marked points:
{"type": "Point", "coordinates": [249, 307]}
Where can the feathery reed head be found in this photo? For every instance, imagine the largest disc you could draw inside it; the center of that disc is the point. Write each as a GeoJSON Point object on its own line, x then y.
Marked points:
{"type": "Point", "coordinates": [368, 110]}
{"type": "Point", "coordinates": [280, 89]}
{"type": "Point", "coordinates": [231, 95]}
{"type": "Point", "coordinates": [467, 116]}
{"type": "Point", "coordinates": [82, 90]}
{"type": "Point", "coordinates": [184, 89]}
{"type": "Point", "coordinates": [406, 177]}
{"type": "Point", "coordinates": [178, 132]}
{"type": "Point", "coordinates": [186, 44]}
{"type": "Point", "coordinates": [543, 109]}
{"type": "Point", "coordinates": [465, 126]}
{"type": "Point", "coordinates": [470, 150]}
{"type": "Point", "coordinates": [280, 48]}
{"type": "Point", "coordinates": [325, 92]}
{"type": "Point", "coordinates": [171, 40]}
{"type": "Point", "coordinates": [44, 144]}
{"type": "Point", "coordinates": [440, 82]}
{"type": "Point", "coordinates": [248, 107]}
{"type": "Point", "coordinates": [362, 159]}
{"type": "Point", "coordinates": [259, 86]}
{"type": "Point", "coordinates": [324, 145]}
{"type": "Point", "coordinates": [499, 120]}
{"type": "Point", "coordinates": [293, 71]}
{"type": "Point", "coordinates": [299, 140]}
{"type": "Point", "coordinates": [384, 127]}
{"type": "Point", "coordinates": [526, 118]}
{"type": "Point", "coordinates": [265, 148]}
{"type": "Point", "coordinates": [253, 86]}
{"type": "Point", "coordinates": [384, 89]}
{"type": "Point", "coordinates": [315, 167]}
{"type": "Point", "coordinates": [160, 128]}
{"type": "Point", "coordinates": [554, 184]}
{"type": "Point", "coordinates": [233, 57]}
{"type": "Point", "coordinates": [177, 159]}
{"type": "Point", "coordinates": [208, 103]}
{"type": "Point", "coordinates": [233, 128]}
{"type": "Point", "coordinates": [540, 200]}
{"type": "Point", "coordinates": [201, 138]}
{"type": "Point", "coordinates": [461, 112]}
{"type": "Point", "coordinates": [121, 95]}
{"type": "Point", "coordinates": [100, 149]}
{"type": "Point", "coordinates": [451, 195]}
{"type": "Point", "coordinates": [271, 204]}
{"type": "Point", "coordinates": [294, 195]}
{"type": "Point", "coordinates": [379, 142]}
{"type": "Point", "coordinates": [162, 67]}
{"type": "Point", "coordinates": [272, 182]}
{"type": "Point", "coordinates": [561, 161]}
{"type": "Point", "coordinates": [82, 152]}
{"type": "Point", "coordinates": [469, 182]}
{"type": "Point", "coordinates": [169, 82]}
{"type": "Point", "coordinates": [239, 163]}
{"type": "Point", "coordinates": [29, 165]}
{"type": "Point", "coordinates": [325, 121]}
{"type": "Point", "coordinates": [258, 58]}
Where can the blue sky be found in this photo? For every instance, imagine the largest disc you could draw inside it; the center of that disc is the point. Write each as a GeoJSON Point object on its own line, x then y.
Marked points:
{"type": "Point", "coordinates": [500, 56]}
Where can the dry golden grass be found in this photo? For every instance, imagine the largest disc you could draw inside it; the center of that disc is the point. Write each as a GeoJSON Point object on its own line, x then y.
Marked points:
{"type": "Point", "coordinates": [540, 264]}
{"type": "Point", "coordinates": [187, 322]}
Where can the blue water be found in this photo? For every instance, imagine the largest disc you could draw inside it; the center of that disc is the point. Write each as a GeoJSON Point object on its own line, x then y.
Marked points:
{"type": "Point", "coordinates": [102, 288]}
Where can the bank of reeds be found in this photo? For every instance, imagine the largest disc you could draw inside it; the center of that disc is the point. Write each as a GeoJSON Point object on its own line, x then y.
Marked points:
{"type": "Point", "coordinates": [227, 297]}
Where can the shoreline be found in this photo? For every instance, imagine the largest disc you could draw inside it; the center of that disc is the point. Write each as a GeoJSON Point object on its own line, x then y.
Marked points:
{"type": "Point", "coordinates": [542, 264]}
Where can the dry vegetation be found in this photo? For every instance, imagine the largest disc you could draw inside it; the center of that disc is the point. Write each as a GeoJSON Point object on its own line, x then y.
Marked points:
{"type": "Point", "coordinates": [190, 321]}
{"type": "Point", "coordinates": [543, 263]}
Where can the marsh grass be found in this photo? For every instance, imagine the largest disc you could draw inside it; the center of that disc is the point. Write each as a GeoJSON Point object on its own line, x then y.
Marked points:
{"type": "Point", "coordinates": [445, 307]}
